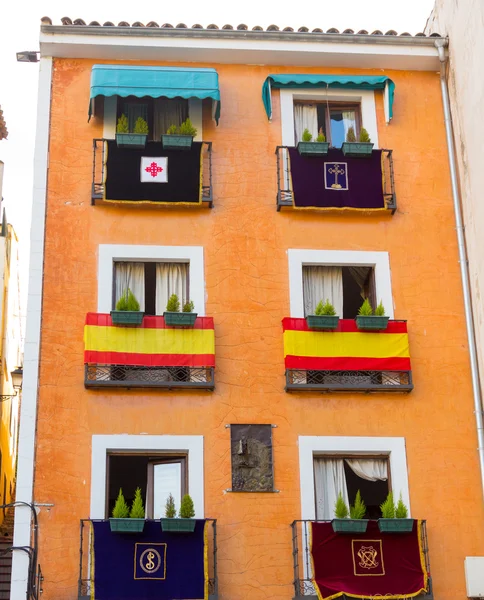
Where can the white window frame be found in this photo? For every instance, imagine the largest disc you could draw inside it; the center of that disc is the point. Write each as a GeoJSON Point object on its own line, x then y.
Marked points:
{"type": "Point", "coordinates": [366, 98]}
{"type": "Point", "coordinates": [110, 111]}
{"type": "Point", "coordinates": [380, 261]}
{"type": "Point", "coordinates": [102, 444]}
{"type": "Point", "coordinates": [314, 446]}
{"type": "Point", "coordinates": [111, 253]}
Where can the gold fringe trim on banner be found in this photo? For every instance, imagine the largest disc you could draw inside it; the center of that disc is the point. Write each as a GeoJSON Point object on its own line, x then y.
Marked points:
{"type": "Point", "coordinates": [205, 559]}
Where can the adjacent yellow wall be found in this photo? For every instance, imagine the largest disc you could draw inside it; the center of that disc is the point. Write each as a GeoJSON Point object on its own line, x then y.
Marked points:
{"type": "Point", "coordinates": [246, 274]}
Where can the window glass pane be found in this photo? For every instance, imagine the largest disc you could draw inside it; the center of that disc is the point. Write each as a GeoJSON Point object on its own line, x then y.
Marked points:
{"type": "Point", "coordinates": [166, 480]}
{"type": "Point", "coordinates": [341, 121]}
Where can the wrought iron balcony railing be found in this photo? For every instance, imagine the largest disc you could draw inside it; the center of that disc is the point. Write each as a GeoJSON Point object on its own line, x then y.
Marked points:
{"type": "Point", "coordinates": [302, 564]}
{"type": "Point", "coordinates": [285, 194]}
{"type": "Point", "coordinates": [86, 583]}
{"type": "Point", "coordinates": [98, 376]}
{"type": "Point", "coordinates": [348, 381]}
{"type": "Point", "coordinates": [99, 172]}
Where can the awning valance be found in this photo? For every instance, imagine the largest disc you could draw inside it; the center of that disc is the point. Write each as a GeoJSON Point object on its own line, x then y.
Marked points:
{"type": "Point", "coordinates": [156, 82]}
{"type": "Point", "coordinates": [349, 82]}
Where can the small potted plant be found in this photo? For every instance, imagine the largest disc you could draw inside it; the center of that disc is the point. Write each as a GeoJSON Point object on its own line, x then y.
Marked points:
{"type": "Point", "coordinates": [127, 311]}
{"type": "Point", "coordinates": [357, 148]}
{"type": "Point", "coordinates": [175, 318]}
{"type": "Point", "coordinates": [394, 519]}
{"type": "Point", "coordinates": [310, 147]}
{"type": "Point", "coordinates": [185, 523]}
{"type": "Point", "coordinates": [355, 523]}
{"type": "Point", "coordinates": [179, 138]}
{"type": "Point", "coordinates": [135, 139]}
{"type": "Point", "coordinates": [324, 317]}
{"type": "Point", "coordinates": [124, 520]}
{"type": "Point", "coordinates": [367, 319]}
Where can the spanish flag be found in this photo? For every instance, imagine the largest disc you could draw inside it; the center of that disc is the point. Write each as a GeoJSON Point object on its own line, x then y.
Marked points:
{"type": "Point", "coordinates": [346, 348]}
{"type": "Point", "coordinates": [153, 344]}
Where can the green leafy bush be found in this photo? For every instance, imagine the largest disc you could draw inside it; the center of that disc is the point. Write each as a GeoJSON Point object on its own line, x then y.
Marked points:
{"type": "Point", "coordinates": [325, 309]}
{"type": "Point", "coordinates": [306, 136]}
{"type": "Point", "coordinates": [340, 508]}
{"type": "Point", "coordinates": [188, 307]}
{"type": "Point", "coordinates": [170, 509]}
{"type": "Point", "coordinates": [173, 304]}
{"type": "Point", "coordinates": [364, 136]}
{"type": "Point", "coordinates": [401, 511]}
{"type": "Point", "coordinates": [358, 510]}
{"type": "Point", "coordinates": [121, 509]}
{"type": "Point", "coordinates": [172, 130]}
{"type": "Point", "coordinates": [380, 310]}
{"type": "Point", "coordinates": [350, 135]}
{"type": "Point", "coordinates": [321, 137]}
{"type": "Point", "coordinates": [187, 510]}
{"type": "Point", "coordinates": [141, 126]}
{"type": "Point", "coordinates": [128, 302]}
{"type": "Point", "coordinates": [137, 508]}
{"type": "Point", "coordinates": [388, 507]}
{"type": "Point", "coordinates": [365, 309]}
{"type": "Point", "coordinates": [122, 126]}
{"type": "Point", "coordinates": [187, 128]}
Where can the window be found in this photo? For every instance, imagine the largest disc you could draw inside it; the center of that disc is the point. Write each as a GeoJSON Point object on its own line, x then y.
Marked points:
{"type": "Point", "coordinates": [346, 475]}
{"type": "Point", "coordinates": [151, 283]}
{"type": "Point", "coordinates": [345, 287]}
{"type": "Point", "coordinates": [159, 113]}
{"type": "Point", "coordinates": [331, 118]}
{"type": "Point", "coordinates": [157, 474]}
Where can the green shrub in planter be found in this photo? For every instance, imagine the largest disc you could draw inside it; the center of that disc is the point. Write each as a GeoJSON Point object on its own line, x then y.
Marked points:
{"type": "Point", "coordinates": [121, 521]}
{"type": "Point", "coordinates": [309, 147]}
{"type": "Point", "coordinates": [175, 318]}
{"type": "Point", "coordinates": [356, 523]}
{"type": "Point", "coordinates": [394, 518]}
{"type": "Point", "coordinates": [357, 148]}
{"type": "Point", "coordinates": [170, 508]}
{"type": "Point", "coordinates": [127, 311]}
{"type": "Point", "coordinates": [324, 317]}
{"type": "Point", "coordinates": [135, 139]}
{"type": "Point", "coordinates": [179, 138]}
{"type": "Point", "coordinates": [185, 523]}
{"type": "Point", "coordinates": [366, 319]}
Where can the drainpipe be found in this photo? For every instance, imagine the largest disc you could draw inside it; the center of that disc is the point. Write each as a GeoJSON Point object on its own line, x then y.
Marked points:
{"type": "Point", "coordinates": [441, 44]}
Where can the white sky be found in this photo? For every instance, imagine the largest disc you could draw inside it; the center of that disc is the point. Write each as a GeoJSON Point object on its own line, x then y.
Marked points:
{"type": "Point", "coordinates": [20, 31]}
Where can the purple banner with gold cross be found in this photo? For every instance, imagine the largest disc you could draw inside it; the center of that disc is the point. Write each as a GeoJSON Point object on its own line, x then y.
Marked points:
{"type": "Point", "coordinates": [150, 564]}
{"type": "Point", "coordinates": [337, 182]}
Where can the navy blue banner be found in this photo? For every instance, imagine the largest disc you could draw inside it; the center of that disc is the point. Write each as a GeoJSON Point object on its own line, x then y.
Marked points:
{"type": "Point", "coordinates": [152, 564]}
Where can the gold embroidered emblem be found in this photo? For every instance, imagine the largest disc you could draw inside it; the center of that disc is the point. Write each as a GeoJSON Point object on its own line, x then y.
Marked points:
{"type": "Point", "coordinates": [367, 556]}
{"type": "Point", "coordinates": [150, 561]}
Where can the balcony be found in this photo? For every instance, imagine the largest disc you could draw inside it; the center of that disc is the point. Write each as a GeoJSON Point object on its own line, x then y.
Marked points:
{"type": "Point", "coordinates": [363, 185]}
{"type": "Point", "coordinates": [152, 355]}
{"type": "Point", "coordinates": [346, 359]}
{"type": "Point", "coordinates": [304, 586]}
{"type": "Point", "coordinates": [177, 544]}
{"type": "Point", "coordinates": [116, 176]}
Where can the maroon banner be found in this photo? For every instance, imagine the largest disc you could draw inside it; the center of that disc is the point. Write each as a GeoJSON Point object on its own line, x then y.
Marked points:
{"type": "Point", "coordinates": [368, 564]}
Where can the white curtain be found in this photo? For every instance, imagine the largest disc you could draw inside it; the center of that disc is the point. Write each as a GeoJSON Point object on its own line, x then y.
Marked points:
{"type": "Point", "coordinates": [322, 283]}
{"type": "Point", "coordinates": [171, 278]}
{"type": "Point", "coordinates": [166, 112]}
{"type": "Point", "coordinates": [329, 481]}
{"type": "Point", "coordinates": [130, 275]}
{"type": "Point", "coordinates": [349, 120]}
{"type": "Point", "coordinates": [305, 117]}
{"type": "Point", "coordinates": [371, 469]}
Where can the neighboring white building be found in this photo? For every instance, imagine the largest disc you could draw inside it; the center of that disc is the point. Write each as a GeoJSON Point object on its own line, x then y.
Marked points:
{"type": "Point", "coordinates": [463, 23]}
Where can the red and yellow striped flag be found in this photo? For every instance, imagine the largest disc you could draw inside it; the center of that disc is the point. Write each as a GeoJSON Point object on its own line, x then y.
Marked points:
{"type": "Point", "coordinates": [346, 348]}
{"type": "Point", "coordinates": [153, 344]}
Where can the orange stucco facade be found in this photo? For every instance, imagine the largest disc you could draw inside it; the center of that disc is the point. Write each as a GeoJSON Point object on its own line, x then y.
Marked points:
{"type": "Point", "coordinates": [245, 243]}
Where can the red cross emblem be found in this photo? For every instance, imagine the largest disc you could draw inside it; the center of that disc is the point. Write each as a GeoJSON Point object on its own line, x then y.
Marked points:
{"type": "Point", "coordinates": [154, 169]}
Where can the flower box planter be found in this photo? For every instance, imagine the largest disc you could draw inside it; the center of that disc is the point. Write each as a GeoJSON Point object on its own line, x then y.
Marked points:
{"type": "Point", "coordinates": [395, 525]}
{"type": "Point", "coordinates": [322, 321]}
{"type": "Point", "coordinates": [177, 142]}
{"type": "Point", "coordinates": [178, 525]}
{"type": "Point", "coordinates": [127, 525]}
{"type": "Point", "coordinates": [313, 148]}
{"type": "Point", "coordinates": [131, 140]}
{"type": "Point", "coordinates": [180, 319]}
{"type": "Point", "coordinates": [357, 149]}
{"type": "Point", "coordinates": [349, 525]}
{"type": "Point", "coordinates": [127, 318]}
{"type": "Point", "coordinates": [372, 322]}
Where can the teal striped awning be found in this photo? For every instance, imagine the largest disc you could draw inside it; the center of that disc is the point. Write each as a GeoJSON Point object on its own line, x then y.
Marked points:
{"type": "Point", "coordinates": [348, 82]}
{"type": "Point", "coordinates": [156, 82]}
